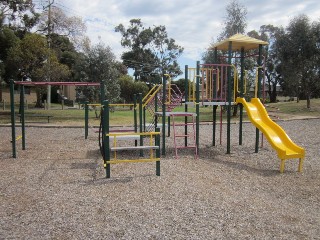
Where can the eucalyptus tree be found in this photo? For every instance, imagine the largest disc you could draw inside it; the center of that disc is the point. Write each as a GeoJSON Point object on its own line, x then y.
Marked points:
{"type": "Point", "coordinates": [151, 51]}
{"type": "Point", "coordinates": [272, 63]}
{"type": "Point", "coordinates": [58, 23]}
{"type": "Point", "coordinates": [18, 15]}
{"type": "Point", "coordinates": [299, 53]}
{"type": "Point", "coordinates": [235, 21]}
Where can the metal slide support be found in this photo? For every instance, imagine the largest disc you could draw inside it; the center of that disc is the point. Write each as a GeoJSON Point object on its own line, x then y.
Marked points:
{"type": "Point", "coordinates": [259, 93]}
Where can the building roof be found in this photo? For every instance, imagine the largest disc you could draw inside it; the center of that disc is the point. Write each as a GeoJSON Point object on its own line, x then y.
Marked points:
{"type": "Point", "coordinates": [239, 41]}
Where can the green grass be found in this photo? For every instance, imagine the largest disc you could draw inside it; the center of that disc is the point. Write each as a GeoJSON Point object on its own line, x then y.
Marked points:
{"type": "Point", "coordinates": [124, 116]}
{"type": "Point", "coordinates": [294, 108]}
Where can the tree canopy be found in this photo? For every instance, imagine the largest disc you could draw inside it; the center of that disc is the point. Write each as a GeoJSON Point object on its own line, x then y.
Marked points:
{"type": "Point", "coordinates": [151, 51]}
{"type": "Point", "coordinates": [100, 65]}
{"type": "Point", "coordinates": [299, 53]}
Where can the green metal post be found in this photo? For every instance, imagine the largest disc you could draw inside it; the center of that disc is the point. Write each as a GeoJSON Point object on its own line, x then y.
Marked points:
{"type": "Point", "coordinates": [229, 100]}
{"type": "Point", "coordinates": [164, 82]}
{"type": "Point", "coordinates": [23, 129]}
{"type": "Point", "coordinates": [140, 121]}
{"type": "Point", "coordinates": [259, 70]}
{"type": "Point", "coordinates": [168, 126]}
{"type": "Point", "coordinates": [241, 94]}
{"type": "Point", "coordinates": [157, 143]}
{"type": "Point", "coordinates": [135, 116]}
{"type": "Point", "coordinates": [86, 119]}
{"type": "Point", "coordinates": [186, 99]}
{"type": "Point", "coordinates": [156, 110]}
{"type": "Point", "coordinates": [198, 104]}
{"type": "Point", "coordinates": [106, 141]}
{"type": "Point", "coordinates": [214, 125]}
{"type": "Point", "coordinates": [214, 108]}
{"type": "Point", "coordinates": [144, 119]}
{"type": "Point", "coordinates": [259, 93]}
{"type": "Point", "coordinates": [13, 123]}
{"type": "Point", "coordinates": [215, 75]}
{"type": "Point", "coordinates": [102, 92]}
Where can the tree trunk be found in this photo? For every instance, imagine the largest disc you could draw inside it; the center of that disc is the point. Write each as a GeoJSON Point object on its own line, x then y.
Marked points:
{"type": "Point", "coordinates": [308, 101]}
{"type": "Point", "coordinates": [39, 100]}
{"type": "Point", "coordinates": [1, 87]}
{"type": "Point", "coordinates": [273, 96]}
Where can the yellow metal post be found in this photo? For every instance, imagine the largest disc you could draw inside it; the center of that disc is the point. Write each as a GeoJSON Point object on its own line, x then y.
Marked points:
{"type": "Point", "coordinates": [282, 165]}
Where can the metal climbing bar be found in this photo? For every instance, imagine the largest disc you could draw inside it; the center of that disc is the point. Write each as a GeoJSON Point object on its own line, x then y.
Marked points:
{"type": "Point", "coordinates": [153, 147]}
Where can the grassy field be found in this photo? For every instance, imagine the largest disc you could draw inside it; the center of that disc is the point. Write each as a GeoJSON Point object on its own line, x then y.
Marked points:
{"type": "Point", "coordinates": [124, 116]}
{"type": "Point", "coordinates": [294, 108]}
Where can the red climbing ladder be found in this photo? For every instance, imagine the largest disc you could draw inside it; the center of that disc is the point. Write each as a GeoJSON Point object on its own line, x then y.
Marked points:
{"type": "Point", "coordinates": [191, 135]}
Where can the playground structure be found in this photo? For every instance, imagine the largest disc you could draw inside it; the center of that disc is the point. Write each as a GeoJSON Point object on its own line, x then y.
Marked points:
{"type": "Point", "coordinates": [160, 103]}
{"type": "Point", "coordinates": [108, 137]}
{"type": "Point", "coordinates": [161, 98]}
{"type": "Point", "coordinates": [22, 84]}
{"type": "Point", "coordinates": [110, 141]}
{"type": "Point", "coordinates": [154, 146]}
{"type": "Point", "coordinates": [211, 85]}
{"type": "Point", "coordinates": [277, 137]}
{"type": "Point", "coordinates": [216, 90]}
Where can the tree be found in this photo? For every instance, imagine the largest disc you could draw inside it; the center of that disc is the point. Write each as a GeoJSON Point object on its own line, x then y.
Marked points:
{"type": "Point", "coordinates": [16, 18]}
{"type": "Point", "coordinates": [272, 62]}
{"type": "Point", "coordinates": [100, 65]}
{"type": "Point", "coordinates": [30, 57]}
{"type": "Point", "coordinates": [151, 52]}
{"type": "Point", "coordinates": [60, 24]}
{"type": "Point", "coordinates": [7, 40]}
{"type": "Point", "coordinates": [127, 88]}
{"type": "Point", "coordinates": [299, 54]}
{"type": "Point", "coordinates": [235, 22]}
{"type": "Point", "coordinates": [18, 15]}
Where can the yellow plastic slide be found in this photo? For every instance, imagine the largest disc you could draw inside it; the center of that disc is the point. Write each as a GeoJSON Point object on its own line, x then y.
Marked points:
{"type": "Point", "coordinates": [276, 136]}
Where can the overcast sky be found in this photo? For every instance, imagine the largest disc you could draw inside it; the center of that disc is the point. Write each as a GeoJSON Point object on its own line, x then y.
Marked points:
{"type": "Point", "coordinates": [192, 23]}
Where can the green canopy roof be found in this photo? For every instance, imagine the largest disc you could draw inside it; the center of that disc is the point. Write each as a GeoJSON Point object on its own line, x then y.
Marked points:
{"type": "Point", "coordinates": [239, 41]}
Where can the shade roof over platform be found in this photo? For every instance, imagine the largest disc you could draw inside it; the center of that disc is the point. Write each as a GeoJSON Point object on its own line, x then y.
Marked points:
{"type": "Point", "coordinates": [239, 41]}
{"type": "Point", "coordinates": [57, 83]}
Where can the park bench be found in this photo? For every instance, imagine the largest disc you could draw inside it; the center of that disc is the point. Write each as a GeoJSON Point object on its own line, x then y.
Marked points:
{"type": "Point", "coordinates": [36, 116]}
